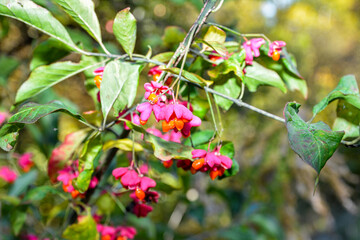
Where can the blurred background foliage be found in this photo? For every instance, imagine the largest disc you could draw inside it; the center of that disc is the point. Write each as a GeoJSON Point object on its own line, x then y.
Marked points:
{"type": "Point", "coordinates": [272, 195]}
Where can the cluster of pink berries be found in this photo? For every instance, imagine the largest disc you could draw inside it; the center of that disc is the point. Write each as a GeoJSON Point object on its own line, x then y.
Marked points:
{"type": "Point", "coordinates": [252, 49]}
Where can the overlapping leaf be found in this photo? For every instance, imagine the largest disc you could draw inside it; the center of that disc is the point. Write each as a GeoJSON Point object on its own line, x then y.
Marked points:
{"type": "Point", "coordinates": [38, 17]}
{"type": "Point", "coordinates": [231, 89]}
{"type": "Point", "coordinates": [82, 11]}
{"type": "Point", "coordinates": [347, 89]}
{"type": "Point", "coordinates": [315, 143]}
{"type": "Point", "coordinates": [45, 77]}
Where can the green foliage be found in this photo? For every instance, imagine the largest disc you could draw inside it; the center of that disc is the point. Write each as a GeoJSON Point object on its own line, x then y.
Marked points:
{"type": "Point", "coordinates": [257, 75]}
{"type": "Point", "coordinates": [84, 229]}
{"type": "Point", "coordinates": [229, 88]}
{"type": "Point", "coordinates": [90, 152]}
{"type": "Point", "coordinates": [37, 17]}
{"type": "Point", "coordinates": [18, 218]}
{"type": "Point", "coordinates": [173, 36]}
{"type": "Point", "coordinates": [348, 119]}
{"type": "Point", "coordinates": [315, 143]}
{"type": "Point", "coordinates": [82, 11]}
{"type": "Point", "coordinates": [347, 89]}
{"type": "Point", "coordinates": [39, 193]}
{"type": "Point", "coordinates": [192, 77]}
{"type": "Point", "coordinates": [8, 135]}
{"type": "Point", "coordinates": [165, 150]}
{"type": "Point", "coordinates": [124, 144]}
{"type": "Point", "coordinates": [32, 112]}
{"type": "Point", "coordinates": [199, 138]}
{"type": "Point", "coordinates": [125, 30]}
{"type": "Point", "coordinates": [45, 77]}
{"type": "Point", "coordinates": [22, 183]}
{"type": "Point", "coordinates": [214, 39]}
{"type": "Point", "coordinates": [8, 65]}
{"type": "Point", "coordinates": [235, 63]}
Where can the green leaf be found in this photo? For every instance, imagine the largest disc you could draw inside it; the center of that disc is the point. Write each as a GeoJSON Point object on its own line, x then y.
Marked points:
{"type": "Point", "coordinates": [124, 144]}
{"type": "Point", "coordinates": [125, 30]}
{"type": "Point", "coordinates": [165, 150]}
{"type": "Point", "coordinates": [82, 11]}
{"type": "Point", "coordinates": [315, 143]}
{"type": "Point", "coordinates": [37, 17]}
{"type": "Point", "coordinates": [162, 57]}
{"type": "Point", "coordinates": [348, 120]}
{"type": "Point", "coordinates": [294, 83]}
{"type": "Point", "coordinates": [17, 219]}
{"type": "Point", "coordinates": [8, 65]}
{"type": "Point", "coordinates": [192, 77]}
{"type": "Point", "coordinates": [84, 229]}
{"type": "Point", "coordinates": [229, 88]}
{"type": "Point", "coordinates": [116, 74]}
{"type": "Point", "coordinates": [199, 138]}
{"type": "Point", "coordinates": [214, 39]}
{"type": "Point", "coordinates": [235, 63]}
{"type": "Point", "coordinates": [48, 52]}
{"type": "Point", "coordinates": [347, 89]}
{"type": "Point", "coordinates": [31, 112]}
{"type": "Point", "coordinates": [128, 93]}
{"type": "Point", "coordinates": [90, 152]}
{"type": "Point", "coordinates": [45, 77]}
{"type": "Point", "coordinates": [39, 193]}
{"type": "Point", "coordinates": [257, 75]}
{"type": "Point", "coordinates": [168, 183]}
{"type": "Point", "coordinates": [200, 106]}
{"type": "Point", "coordinates": [22, 183]}
{"type": "Point", "coordinates": [8, 135]}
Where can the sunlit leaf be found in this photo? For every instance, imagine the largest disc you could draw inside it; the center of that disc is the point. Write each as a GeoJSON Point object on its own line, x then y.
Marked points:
{"type": "Point", "coordinates": [348, 119]}
{"type": "Point", "coordinates": [173, 35]}
{"type": "Point", "coordinates": [84, 229]}
{"type": "Point", "coordinates": [347, 89]}
{"type": "Point", "coordinates": [125, 30]}
{"type": "Point", "coordinates": [162, 57]}
{"type": "Point", "coordinates": [37, 17]}
{"type": "Point", "coordinates": [257, 75]}
{"type": "Point", "coordinates": [199, 138]}
{"type": "Point", "coordinates": [124, 144]}
{"type": "Point", "coordinates": [231, 89]}
{"type": "Point", "coordinates": [235, 63]}
{"type": "Point", "coordinates": [82, 11]}
{"type": "Point", "coordinates": [18, 218]}
{"type": "Point", "coordinates": [45, 77]}
{"type": "Point", "coordinates": [315, 143]}
{"type": "Point", "coordinates": [32, 112]}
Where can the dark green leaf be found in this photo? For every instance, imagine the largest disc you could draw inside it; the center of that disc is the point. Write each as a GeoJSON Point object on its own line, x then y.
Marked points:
{"type": "Point", "coordinates": [231, 89]}
{"type": "Point", "coordinates": [165, 150]}
{"type": "Point", "coordinates": [31, 112]}
{"type": "Point", "coordinates": [315, 143]}
{"type": "Point", "coordinates": [37, 17]}
{"type": "Point", "coordinates": [84, 229]}
{"type": "Point", "coordinates": [8, 135]}
{"type": "Point", "coordinates": [199, 138]}
{"type": "Point", "coordinates": [90, 152]}
{"type": "Point", "coordinates": [39, 193]}
{"type": "Point", "coordinates": [162, 57]}
{"type": "Point", "coordinates": [347, 89]}
{"type": "Point", "coordinates": [45, 77]}
{"type": "Point", "coordinates": [48, 52]}
{"type": "Point", "coordinates": [257, 75]}
{"type": "Point", "coordinates": [82, 11]}
{"type": "Point", "coordinates": [125, 30]}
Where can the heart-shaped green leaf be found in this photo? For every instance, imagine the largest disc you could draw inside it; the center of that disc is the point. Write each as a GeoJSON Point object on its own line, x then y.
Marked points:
{"type": "Point", "coordinates": [315, 143]}
{"type": "Point", "coordinates": [125, 30]}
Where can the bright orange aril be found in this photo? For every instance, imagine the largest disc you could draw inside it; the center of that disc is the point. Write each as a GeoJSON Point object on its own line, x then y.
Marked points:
{"type": "Point", "coordinates": [153, 98]}
{"type": "Point", "coordinates": [166, 126]}
{"type": "Point", "coordinates": [276, 56]}
{"type": "Point", "coordinates": [74, 193]}
{"type": "Point", "coordinates": [106, 237]}
{"type": "Point", "coordinates": [197, 164]}
{"type": "Point", "coordinates": [179, 124]}
{"type": "Point", "coordinates": [156, 77]}
{"type": "Point", "coordinates": [142, 122]}
{"type": "Point", "coordinates": [193, 170]}
{"type": "Point", "coordinates": [97, 81]}
{"type": "Point", "coordinates": [139, 194]}
{"type": "Point", "coordinates": [214, 174]}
